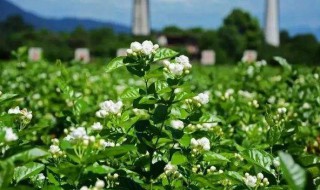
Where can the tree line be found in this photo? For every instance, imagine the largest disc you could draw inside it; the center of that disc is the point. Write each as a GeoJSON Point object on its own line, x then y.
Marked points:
{"type": "Point", "coordinates": [239, 31]}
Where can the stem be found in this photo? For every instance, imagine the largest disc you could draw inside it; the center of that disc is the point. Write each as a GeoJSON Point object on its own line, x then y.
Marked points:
{"type": "Point", "coordinates": [161, 128]}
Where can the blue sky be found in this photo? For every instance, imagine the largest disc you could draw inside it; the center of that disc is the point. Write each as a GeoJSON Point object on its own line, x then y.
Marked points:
{"type": "Point", "coordinates": [183, 13]}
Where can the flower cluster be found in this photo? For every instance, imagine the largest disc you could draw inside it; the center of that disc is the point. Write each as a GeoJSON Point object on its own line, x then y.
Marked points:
{"type": "Point", "coordinates": [146, 48]}
{"type": "Point", "coordinates": [55, 149]}
{"type": "Point", "coordinates": [200, 145]}
{"type": "Point", "coordinates": [24, 113]}
{"type": "Point", "coordinates": [202, 98]}
{"type": "Point", "coordinates": [171, 170]}
{"type": "Point", "coordinates": [180, 66]}
{"type": "Point", "coordinates": [100, 184]}
{"type": "Point", "coordinates": [255, 181]}
{"type": "Point", "coordinates": [203, 126]}
{"type": "Point", "coordinates": [79, 135]}
{"type": "Point", "coordinates": [112, 180]}
{"type": "Point", "coordinates": [109, 108]}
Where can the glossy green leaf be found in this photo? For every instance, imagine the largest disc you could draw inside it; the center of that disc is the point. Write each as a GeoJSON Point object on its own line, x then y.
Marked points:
{"type": "Point", "coordinates": [115, 64]}
{"type": "Point", "coordinates": [164, 53]}
{"type": "Point", "coordinates": [28, 170]}
{"type": "Point", "coordinates": [130, 93]}
{"type": "Point", "coordinates": [215, 157]}
{"type": "Point", "coordinates": [292, 172]}
{"type": "Point", "coordinates": [259, 158]}
{"type": "Point", "coordinates": [178, 158]}
{"type": "Point", "coordinates": [7, 97]}
{"type": "Point", "coordinates": [29, 155]}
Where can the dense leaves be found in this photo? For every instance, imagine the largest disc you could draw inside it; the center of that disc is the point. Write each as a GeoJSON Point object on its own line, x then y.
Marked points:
{"type": "Point", "coordinates": [138, 124]}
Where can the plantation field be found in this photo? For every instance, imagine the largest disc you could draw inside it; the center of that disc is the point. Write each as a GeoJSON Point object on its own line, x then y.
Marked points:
{"type": "Point", "coordinates": [246, 126]}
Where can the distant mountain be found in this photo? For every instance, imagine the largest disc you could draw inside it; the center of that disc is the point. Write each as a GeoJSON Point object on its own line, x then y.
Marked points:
{"type": "Point", "coordinates": [66, 24]}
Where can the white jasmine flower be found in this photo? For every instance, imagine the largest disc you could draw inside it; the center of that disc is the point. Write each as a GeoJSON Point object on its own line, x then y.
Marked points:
{"type": "Point", "coordinates": [129, 51]}
{"type": "Point", "coordinates": [101, 113]}
{"type": "Point", "coordinates": [136, 47]}
{"type": "Point", "coordinates": [260, 176]}
{"type": "Point", "coordinates": [10, 135]}
{"type": "Point", "coordinates": [306, 106]}
{"type": "Point", "coordinates": [97, 126]}
{"type": "Point", "coordinates": [177, 124]}
{"type": "Point", "coordinates": [84, 188]}
{"type": "Point", "coordinates": [202, 98]}
{"type": "Point", "coordinates": [41, 177]}
{"type": "Point", "coordinates": [282, 110]}
{"type": "Point", "coordinates": [77, 134]}
{"type": "Point", "coordinates": [208, 126]}
{"type": "Point", "coordinates": [213, 168]}
{"type": "Point", "coordinates": [106, 144]}
{"type": "Point", "coordinates": [265, 181]}
{"type": "Point", "coordinates": [27, 114]}
{"type": "Point", "coordinates": [170, 169]}
{"type": "Point", "coordinates": [155, 46]}
{"type": "Point", "coordinates": [147, 47]}
{"type": "Point", "coordinates": [166, 63]}
{"type": "Point", "coordinates": [184, 60]}
{"type": "Point", "coordinates": [15, 110]}
{"type": "Point", "coordinates": [109, 107]}
{"type": "Point", "coordinates": [100, 184]}
{"type": "Point", "coordinates": [200, 144]}
{"type": "Point", "coordinates": [272, 100]}
{"type": "Point", "coordinates": [276, 162]}
{"type": "Point", "coordinates": [250, 181]}
{"type": "Point", "coordinates": [176, 69]}
{"type": "Point", "coordinates": [54, 149]}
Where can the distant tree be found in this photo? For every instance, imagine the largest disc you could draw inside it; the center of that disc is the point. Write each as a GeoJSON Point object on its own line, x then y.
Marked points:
{"type": "Point", "coordinates": [173, 30]}
{"type": "Point", "coordinates": [303, 49]}
{"type": "Point", "coordinates": [239, 31]}
{"type": "Point", "coordinates": [13, 31]}
{"type": "Point", "coordinates": [79, 38]}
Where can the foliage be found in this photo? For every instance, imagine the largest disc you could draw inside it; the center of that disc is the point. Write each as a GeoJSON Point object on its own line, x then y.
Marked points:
{"type": "Point", "coordinates": [161, 124]}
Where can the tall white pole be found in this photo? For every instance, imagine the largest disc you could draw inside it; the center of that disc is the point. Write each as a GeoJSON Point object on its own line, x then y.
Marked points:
{"type": "Point", "coordinates": [272, 35]}
{"type": "Point", "coordinates": [141, 25]}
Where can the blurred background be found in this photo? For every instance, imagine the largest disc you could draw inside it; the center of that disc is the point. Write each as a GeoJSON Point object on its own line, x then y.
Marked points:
{"type": "Point", "coordinates": [287, 28]}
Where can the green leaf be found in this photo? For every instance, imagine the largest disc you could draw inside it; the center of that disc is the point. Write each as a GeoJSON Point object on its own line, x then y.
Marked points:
{"type": "Point", "coordinates": [29, 155]}
{"type": "Point", "coordinates": [292, 172]}
{"type": "Point", "coordinates": [52, 179]}
{"type": "Point", "coordinates": [99, 169]}
{"type": "Point", "coordinates": [203, 181]}
{"type": "Point", "coordinates": [185, 140]}
{"type": "Point", "coordinates": [160, 114]}
{"type": "Point", "coordinates": [259, 158]}
{"type": "Point", "coordinates": [7, 97]}
{"type": "Point", "coordinates": [162, 87]}
{"type": "Point", "coordinates": [28, 170]}
{"type": "Point", "coordinates": [112, 152]}
{"type": "Point", "coordinates": [115, 64]}
{"type": "Point", "coordinates": [149, 99]}
{"type": "Point", "coordinates": [6, 173]}
{"type": "Point", "coordinates": [80, 107]}
{"type": "Point", "coordinates": [130, 93]}
{"type": "Point", "coordinates": [215, 158]}
{"type": "Point", "coordinates": [164, 53]}
{"type": "Point", "coordinates": [178, 158]}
